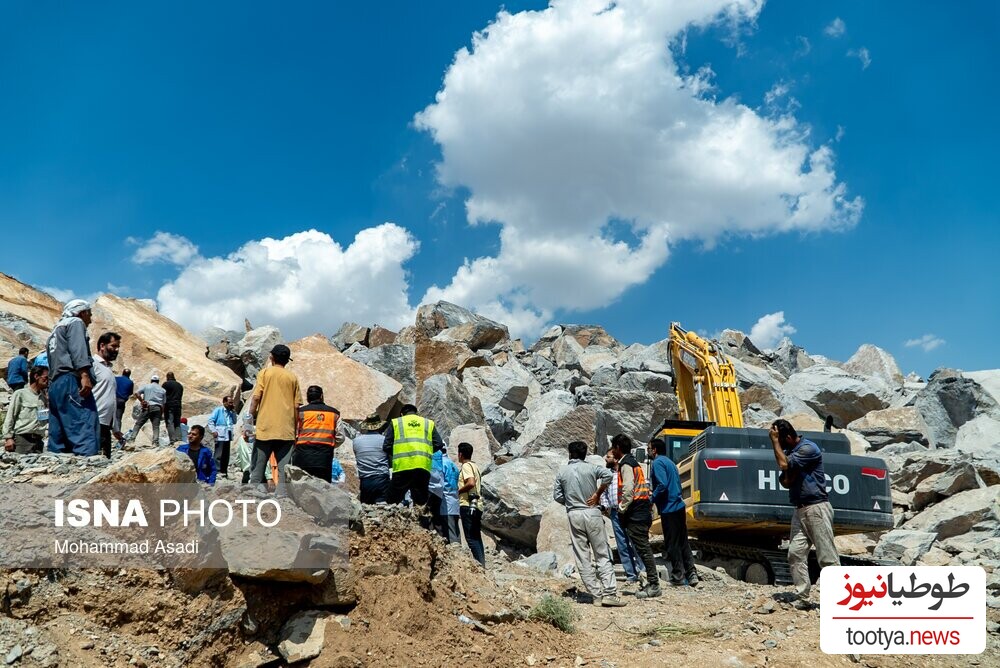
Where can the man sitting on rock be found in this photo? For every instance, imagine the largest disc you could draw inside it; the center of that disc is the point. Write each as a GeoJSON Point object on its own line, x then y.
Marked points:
{"type": "Point", "coordinates": [578, 486]}
{"type": "Point", "coordinates": [27, 415]}
{"type": "Point", "coordinates": [201, 456]}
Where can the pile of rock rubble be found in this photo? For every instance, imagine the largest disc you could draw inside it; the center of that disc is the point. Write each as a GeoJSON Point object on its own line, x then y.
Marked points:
{"type": "Point", "coordinates": [519, 403]}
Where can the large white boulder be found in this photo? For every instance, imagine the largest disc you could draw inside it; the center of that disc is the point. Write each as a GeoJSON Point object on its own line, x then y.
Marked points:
{"type": "Point", "coordinates": [518, 492]}
{"type": "Point", "coordinates": [480, 438]}
{"type": "Point", "coordinates": [354, 389]}
{"type": "Point", "coordinates": [395, 360]}
{"type": "Point", "coordinates": [893, 425]}
{"type": "Point", "coordinates": [871, 360]}
{"type": "Point", "coordinates": [550, 407]}
{"type": "Point", "coordinates": [949, 400]}
{"type": "Point", "coordinates": [959, 513]}
{"type": "Point", "coordinates": [980, 436]}
{"type": "Point", "coordinates": [445, 400]}
{"type": "Point", "coordinates": [829, 390]}
{"type": "Point", "coordinates": [506, 386]}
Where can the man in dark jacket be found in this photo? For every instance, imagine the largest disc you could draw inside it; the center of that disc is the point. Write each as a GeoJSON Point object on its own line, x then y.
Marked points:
{"type": "Point", "coordinates": [317, 434]}
{"type": "Point", "coordinates": [635, 511]}
{"type": "Point", "coordinates": [172, 407]}
{"type": "Point", "coordinates": [801, 464]}
{"type": "Point", "coordinates": [17, 370]}
{"type": "Point", "coordinates": [666, 484]}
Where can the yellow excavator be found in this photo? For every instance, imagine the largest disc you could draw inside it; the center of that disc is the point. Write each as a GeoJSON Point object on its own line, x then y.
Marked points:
{"type": "Point", "coordinates": [737, 510]}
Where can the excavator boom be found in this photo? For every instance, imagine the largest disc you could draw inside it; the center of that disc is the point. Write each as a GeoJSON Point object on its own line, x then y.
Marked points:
{"type": "Point", "coordinates": [704, 380]}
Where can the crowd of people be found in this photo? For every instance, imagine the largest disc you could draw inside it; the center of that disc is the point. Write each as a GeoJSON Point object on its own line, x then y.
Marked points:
{"type": "Point", "coordinates": [71, 393]}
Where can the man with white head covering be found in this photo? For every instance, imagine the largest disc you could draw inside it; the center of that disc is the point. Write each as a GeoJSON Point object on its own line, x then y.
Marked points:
{"type": "Point", "coordinates": [73, 422]}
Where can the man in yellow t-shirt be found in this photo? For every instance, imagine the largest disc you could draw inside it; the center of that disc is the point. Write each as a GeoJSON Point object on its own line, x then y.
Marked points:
{"type": "Point", "coordinates": [470, 502]}
{"type": "Point", "coordinates": [275, 409]}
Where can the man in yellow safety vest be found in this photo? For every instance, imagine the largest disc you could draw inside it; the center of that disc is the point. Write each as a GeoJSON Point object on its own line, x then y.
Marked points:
{"type": "Point", "coordinates": [410, 444]}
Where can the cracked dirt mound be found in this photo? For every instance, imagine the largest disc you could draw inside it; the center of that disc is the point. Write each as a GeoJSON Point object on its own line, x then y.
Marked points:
{"type": "Point", "coordinates": [411, 587]}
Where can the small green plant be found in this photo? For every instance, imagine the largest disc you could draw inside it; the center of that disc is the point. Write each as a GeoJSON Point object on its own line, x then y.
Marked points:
{"type": "Point", "coordinates": [556, 611]}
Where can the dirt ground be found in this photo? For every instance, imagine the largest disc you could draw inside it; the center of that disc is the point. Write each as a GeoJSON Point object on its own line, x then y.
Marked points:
{"type": "Point", "coordinates": [421, 603]}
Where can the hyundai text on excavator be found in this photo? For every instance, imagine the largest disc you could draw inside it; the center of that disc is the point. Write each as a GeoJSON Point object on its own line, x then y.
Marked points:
{"type": "Point", "coordinates": [737, 510]}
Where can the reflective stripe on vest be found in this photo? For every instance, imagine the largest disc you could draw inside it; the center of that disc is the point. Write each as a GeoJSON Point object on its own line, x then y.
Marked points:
{"type": "Point", "coordinates": [640, 488]}
{"type": "Point", "coordinates": [412, 443]}
{"type": "Point", "coordinates": [317, 428]}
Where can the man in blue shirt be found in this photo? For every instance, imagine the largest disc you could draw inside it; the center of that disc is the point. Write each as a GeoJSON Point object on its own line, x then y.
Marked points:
{"type": "Point", "coordinates": [201, 457]}
{"type": "Point", "coordinates": [801, 464]}
{"type": "Point", "coordinates": [666, 494]}
{"type": "Point", "coordinates": [124, 387]}
{"type": "Point", "coordinates": [222, 424]}
{"type": "Point", "coordinates": [17, 370]}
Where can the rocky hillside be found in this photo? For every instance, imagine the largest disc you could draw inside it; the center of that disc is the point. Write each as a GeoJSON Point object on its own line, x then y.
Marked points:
{"type": "Point", "coordinates": [151, 343]}
{"type": "Point", "coordinates": [412, 601]}
{"type": "Point", "coordinates": [519, 403]}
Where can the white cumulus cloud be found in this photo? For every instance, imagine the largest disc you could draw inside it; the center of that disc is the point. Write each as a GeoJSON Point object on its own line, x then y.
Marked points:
{"type": "Point", "coordinates": [836, 28]}
{"type": "Point", "coordinates": [63, 295]}
{"type": "Point", "coordinates": [303, 283]}
{"type": "Point", "coordinates": [574, 130]}
{"type": "Point", "coordinates": [805, 46]}
{"type": "Point", "coordinates": [768, 331]}
{"type": "Point", "coordinates": [927, 342]}
{"type": "Point", "coordinates": [163, 247]}
{"type": "Point", "coordinates": [863, 55]}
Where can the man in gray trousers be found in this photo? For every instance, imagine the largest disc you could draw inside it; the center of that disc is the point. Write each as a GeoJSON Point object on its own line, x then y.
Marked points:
{"type": "Point", "coordinates": [801, 464]}
{"type": "Point", "coordinates": [579, 486]}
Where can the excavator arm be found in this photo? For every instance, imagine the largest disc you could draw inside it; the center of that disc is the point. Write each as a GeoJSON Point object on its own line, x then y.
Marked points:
{"type": "Point", "coordinates": [704, 380]}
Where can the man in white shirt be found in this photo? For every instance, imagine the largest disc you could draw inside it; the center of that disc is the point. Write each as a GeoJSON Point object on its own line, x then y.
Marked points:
{"type": "Point", "coordinates": [105, 388]}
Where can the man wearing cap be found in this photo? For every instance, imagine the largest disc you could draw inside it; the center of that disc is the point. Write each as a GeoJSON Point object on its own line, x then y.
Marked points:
{"type": "Point", "coordinates": [318, 434]}
{"type": "Point", "coordinates": [152, 397]}
{"type": "Point", "coordinates": [73, 423]}
{"type": "Point", "coordinates": [275, 410]}
{"type": "Point", "coordinates": [371, 460]}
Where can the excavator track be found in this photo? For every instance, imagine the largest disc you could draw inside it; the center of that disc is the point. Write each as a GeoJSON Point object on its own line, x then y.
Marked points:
{"type": "Point", "coordinates": [747, 558]}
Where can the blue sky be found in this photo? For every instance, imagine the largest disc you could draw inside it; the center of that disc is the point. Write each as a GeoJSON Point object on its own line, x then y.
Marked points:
{"type": "Point", "coordinates": [227, 123]}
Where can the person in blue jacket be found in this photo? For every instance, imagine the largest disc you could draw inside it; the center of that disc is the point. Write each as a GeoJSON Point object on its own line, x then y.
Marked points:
{"type": "Point", "coordinates": [17, 370]}
{"type": "Point", "coordinates": [201, 457]}
{"type": "Point", "coordinates": [449, 504]}
{"type": "Point", "coordinates": [665, 482]}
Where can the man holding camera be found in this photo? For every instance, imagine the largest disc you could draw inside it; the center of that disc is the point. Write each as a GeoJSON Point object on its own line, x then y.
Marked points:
{"type": "Point", "coordinates": [470, 502]}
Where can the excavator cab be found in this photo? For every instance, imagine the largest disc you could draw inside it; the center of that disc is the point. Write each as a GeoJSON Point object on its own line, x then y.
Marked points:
{"type": "Point", "coordinates": [678, 435]}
